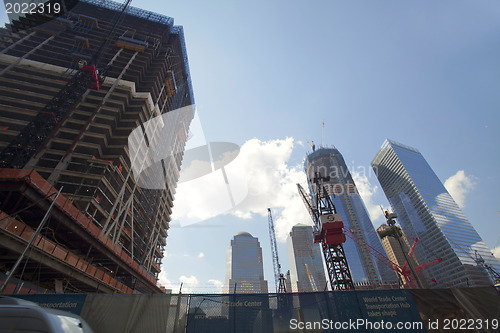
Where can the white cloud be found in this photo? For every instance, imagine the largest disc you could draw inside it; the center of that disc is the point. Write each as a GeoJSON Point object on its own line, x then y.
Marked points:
{"type": "Point", "coordinates": [214, 193]}
{"type": "Point", "coordinates": [201, 255]}
{"type": "Point", "coordinates": [189, 283]}
{"type": "Point", "coordinates": [496, 252]}
{"type": "Point", "coordinates": [459, 185]}
{"type": "Point", "coordinates": [218, 285]}
{"type": "Point", "coordinates": [163, 280]}
{"type": "Point", "coordinates": [272, 183]}
{"type": "Point", "coordinates": [366, 190]}
{"type": "Point", "coordinates": [189, 280]}
{"type": "Point", "coordinates": [269, 181]}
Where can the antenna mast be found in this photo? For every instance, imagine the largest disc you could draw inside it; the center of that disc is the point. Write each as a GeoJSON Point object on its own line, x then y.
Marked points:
{"type": "Point", "coordinates": [323, 142]}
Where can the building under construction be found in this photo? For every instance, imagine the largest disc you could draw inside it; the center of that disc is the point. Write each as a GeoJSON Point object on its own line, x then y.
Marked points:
{"type": "Point", "coordinates": [394, 250]}
{"type": "Point", "coordinates": [72, 90]}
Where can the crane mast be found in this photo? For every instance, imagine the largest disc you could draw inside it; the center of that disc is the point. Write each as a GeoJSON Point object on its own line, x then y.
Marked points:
{"type": "Point", "coordinates": [279, 279]}
{"type": "Point", "coordinates": [494, 275]}
{"type": "Point", "coordinates": [408, 272]}
{"type": "Point", "coordinates": [329, 231]}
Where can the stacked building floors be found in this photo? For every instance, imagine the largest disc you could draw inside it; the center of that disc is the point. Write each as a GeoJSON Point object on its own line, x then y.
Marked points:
{"type": "Point", "coordinates": [106, 231]}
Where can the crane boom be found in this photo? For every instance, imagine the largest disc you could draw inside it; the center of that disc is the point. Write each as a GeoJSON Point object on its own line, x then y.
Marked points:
{"type": "Point", "coordinates": [307, 203]}
{"type": "Point", "coordinates": [365, 246]}
{"type": "Point", "coordinates": [311, 279]}
{"type": "Point", "coordinates": [279, 279]}
{"type": "Point", "coordinates": [410, 253]}
{"type": "Point", "coordinates": [408, 272]}
{"type": "Point", "coordinates": [494, 275]}
{"type": "Point", "coordinates": [328, 230]}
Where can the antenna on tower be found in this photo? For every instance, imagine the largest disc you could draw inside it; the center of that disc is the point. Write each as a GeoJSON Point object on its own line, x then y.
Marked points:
{"type": "Point", "coordinates": [323, 143]}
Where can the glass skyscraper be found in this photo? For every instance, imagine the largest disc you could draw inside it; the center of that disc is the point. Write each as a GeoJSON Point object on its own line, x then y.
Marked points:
{"type": "Point", "coordinates": [328, 162]}
{"type": "Point", "coordinates": [304, 255]}
{"type": "Point", "coordinates": [426, 210]}
{"type": "Point", "coordinates": [244, 266]}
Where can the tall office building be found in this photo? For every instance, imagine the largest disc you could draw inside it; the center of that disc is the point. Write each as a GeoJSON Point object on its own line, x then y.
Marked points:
{"type": "Point", "coordinates": [244, 266]}
{"type": "Point", "coordinates": [426, 210]}
{"type": "Point", "coordinates": [61, 127]}
{"type": "Point", "coordinates": [305, 259]}
{"type": "Point", "coordinates": [288, 283]}
{"type": "Point", "coordinates": [329, 164]}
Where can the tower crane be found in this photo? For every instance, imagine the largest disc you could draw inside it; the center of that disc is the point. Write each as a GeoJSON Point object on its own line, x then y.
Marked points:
{"type": "Point", "coordinates": [312, 145]}
{"type": "Point", "coordinates": [329, 231]}
{"type": "Point", "coordinates": [494, 275]}
{"type": "Point", "coordinates": [408, 272]}
{"type": "Point", "coordinates": [279, 279]}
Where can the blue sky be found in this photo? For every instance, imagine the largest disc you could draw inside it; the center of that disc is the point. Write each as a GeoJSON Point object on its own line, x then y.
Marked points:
{"type": "Point", "coordinates": [267, 73]}
{"type": "Point", "coordinates": [426, 74]}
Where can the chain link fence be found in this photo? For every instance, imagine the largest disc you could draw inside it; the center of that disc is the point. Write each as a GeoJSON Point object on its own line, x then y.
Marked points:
{"type": "Point", "coordinates": [339, 311]}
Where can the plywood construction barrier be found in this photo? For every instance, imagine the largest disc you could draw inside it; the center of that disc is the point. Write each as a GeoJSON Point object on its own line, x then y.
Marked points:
{"type": "Point", "coordinates": [418, 310]}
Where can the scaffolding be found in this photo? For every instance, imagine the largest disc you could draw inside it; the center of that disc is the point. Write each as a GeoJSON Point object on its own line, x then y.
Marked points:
{"type": "Point", "coordinates": [83, 144]}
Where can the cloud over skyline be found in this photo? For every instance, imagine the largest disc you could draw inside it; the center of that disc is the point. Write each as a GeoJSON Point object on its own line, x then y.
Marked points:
{"type": "Point", "coordinates": [189, 283]}
{"type": "Point", "coordinates": [496, 252]}
{"type": "Point", "coordinates": [217, 284]}
{"type": "Point", "coordinates": [270, 183]}
{"type": "Point", "coordinates": [459, 185]}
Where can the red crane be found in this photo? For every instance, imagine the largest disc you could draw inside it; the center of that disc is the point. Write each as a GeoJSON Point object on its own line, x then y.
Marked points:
{"type": "Point", "coordinates": [329, 231]}
{"type": "Point", "coordinates": [93, 73]}
{"type": "Point", "coordinates": [405, 271]}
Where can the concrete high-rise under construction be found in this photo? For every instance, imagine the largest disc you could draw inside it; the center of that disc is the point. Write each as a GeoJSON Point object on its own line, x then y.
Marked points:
{"type": "Point", "coordinates": [395, 250]}
{"type": "Point", "coordinates": [72, 91]}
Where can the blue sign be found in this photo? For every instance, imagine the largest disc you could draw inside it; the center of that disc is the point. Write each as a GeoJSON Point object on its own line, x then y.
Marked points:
{"type": "Point", "coordinates": [66, 302]}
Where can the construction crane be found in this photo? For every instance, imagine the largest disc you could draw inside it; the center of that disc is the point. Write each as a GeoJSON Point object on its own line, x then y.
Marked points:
{"type": "Point", "coordinates": [395, 232]}
{"type": "Point", "coordinates": [33, 136]}
{"type": "Point", "coordinates": [311, 279]}
{"type": "Point", "coordinates": [329, 231]}
{"type": "Point", "coordinates": [494, 275]}
{"type": "Point", "coordinates": [410, 275]}
{"type": "Point", "coordinates": [408, 271]}
{"type": "Point", "coordinates": [312, 145]}
{"type": "Point", "coordinates": [279, 279]}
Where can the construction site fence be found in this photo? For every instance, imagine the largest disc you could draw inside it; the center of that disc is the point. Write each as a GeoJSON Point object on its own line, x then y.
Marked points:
{"type": "Point", "coordinates": [416, 310]}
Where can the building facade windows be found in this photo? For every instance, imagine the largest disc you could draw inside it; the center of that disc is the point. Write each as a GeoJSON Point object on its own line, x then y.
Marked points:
{"type": "Point", "coordinates": [244, 266]}
{"type": "Point", "coordinates": [426, 210]}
